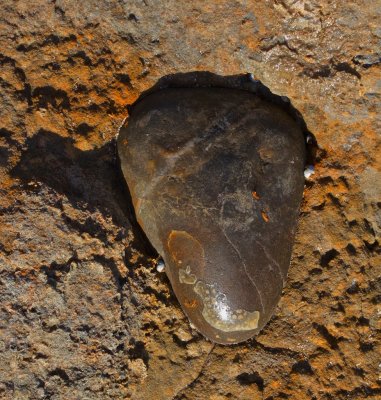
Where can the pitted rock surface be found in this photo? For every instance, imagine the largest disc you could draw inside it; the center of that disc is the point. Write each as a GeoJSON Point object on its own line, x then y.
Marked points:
{"type": "Point", "coordinates": [84, 314]}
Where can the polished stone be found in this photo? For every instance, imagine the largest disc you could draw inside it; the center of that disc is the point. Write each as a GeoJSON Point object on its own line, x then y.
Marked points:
{"type": "Point", "coordinates": [216, 178]}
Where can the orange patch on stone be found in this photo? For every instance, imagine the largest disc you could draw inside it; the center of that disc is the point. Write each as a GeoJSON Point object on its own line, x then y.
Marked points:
{"type": "Point", "coordinates": [186, 250]}
{"type": "Point", "coordinates": [265, 216]}
{"type": "Point", "coordinates": [255, 195]}
{"type": "Point", "coordinates": [190, 303]}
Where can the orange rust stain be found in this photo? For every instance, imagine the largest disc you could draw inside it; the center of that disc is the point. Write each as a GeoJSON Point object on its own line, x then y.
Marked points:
{"type": "Point", "coordinates": [252, 42]}
{"type": "Point", "coordinates": [255, 195]}
{"type": "Point", "coordinates": [186, 250]}
{"type": "Point", "coordinates": [190, 303]}
{"type": "Point", "coordinates": [265, 216]}
{"type": "Point", "coordinates": [275, 384]}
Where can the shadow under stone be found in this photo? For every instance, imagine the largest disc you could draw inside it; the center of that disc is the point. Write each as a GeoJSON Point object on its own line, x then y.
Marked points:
{"type": "Point", "coordinates": [90, 180]}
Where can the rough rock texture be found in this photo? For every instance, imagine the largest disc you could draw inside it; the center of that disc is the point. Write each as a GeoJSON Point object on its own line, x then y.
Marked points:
{"type": "Point", "coordinates": [216, 178]}
{"type": "Point", "coordinates": [84, 315]}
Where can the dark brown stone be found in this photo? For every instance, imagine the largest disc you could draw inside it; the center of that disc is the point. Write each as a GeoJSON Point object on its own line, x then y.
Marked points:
{"type": "Point", "coordinates": [216, 178]}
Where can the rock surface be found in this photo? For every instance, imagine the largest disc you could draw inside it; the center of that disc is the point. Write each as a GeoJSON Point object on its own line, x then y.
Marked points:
{"type": "Point", "coordinates": [216, 177]}
{"type": "Point", "coordinates": [84, 315]}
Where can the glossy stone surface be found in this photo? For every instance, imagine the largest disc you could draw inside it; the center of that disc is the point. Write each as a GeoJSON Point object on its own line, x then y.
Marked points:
{"type": "Point", "coordinates": [216, 178]}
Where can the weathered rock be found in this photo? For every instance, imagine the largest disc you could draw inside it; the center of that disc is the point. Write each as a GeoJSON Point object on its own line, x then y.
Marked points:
{"type": "Point", "coordinates": [68, 70]}
{"type": "Point", "coordinates": [216, 177]}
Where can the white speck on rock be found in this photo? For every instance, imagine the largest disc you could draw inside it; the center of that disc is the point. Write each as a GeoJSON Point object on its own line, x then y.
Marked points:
{"type": "Point", "coordinates": [160, 266]}
{"type": "Point", "coordinates": [309, 171]}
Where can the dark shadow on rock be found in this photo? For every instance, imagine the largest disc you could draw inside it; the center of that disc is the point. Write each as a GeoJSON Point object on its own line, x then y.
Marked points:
{"type": "Point", "coordinates": [90, 180]}
{"type": "Point", "coordinates": [245, 82]}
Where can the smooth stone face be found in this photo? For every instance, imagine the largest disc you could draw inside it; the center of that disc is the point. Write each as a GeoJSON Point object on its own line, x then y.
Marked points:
{"type": "Point", "coordinates": [216, 178]}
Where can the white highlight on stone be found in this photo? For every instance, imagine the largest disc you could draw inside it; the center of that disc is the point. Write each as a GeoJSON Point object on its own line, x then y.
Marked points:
{"type": "Point", "coordinates": [216, 310]}
{"type": "Point", "coordinates": [160, 266]}
{"type": "Point", "coordinates": [309, 171]}
{"type": "Point", "coordinates": [185, 276]}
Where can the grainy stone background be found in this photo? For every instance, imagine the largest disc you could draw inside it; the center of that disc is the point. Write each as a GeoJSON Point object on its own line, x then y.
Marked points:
{"type": "Point", "coordinates": [84, 315]}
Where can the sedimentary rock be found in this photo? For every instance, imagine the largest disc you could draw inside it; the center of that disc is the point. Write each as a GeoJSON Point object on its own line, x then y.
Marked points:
{"type": "Point", "coordinates": [84, 313]}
